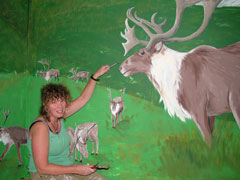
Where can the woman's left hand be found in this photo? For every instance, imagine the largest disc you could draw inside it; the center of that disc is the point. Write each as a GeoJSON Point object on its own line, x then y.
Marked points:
{"type": "Point", "coordinates": [102, 70]}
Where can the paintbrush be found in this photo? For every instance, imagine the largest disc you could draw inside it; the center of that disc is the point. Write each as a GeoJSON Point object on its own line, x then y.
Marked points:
{"type": "Point", "coordinates": [105, 167]}
{"type": "Point", "coordinates": [114, 64]}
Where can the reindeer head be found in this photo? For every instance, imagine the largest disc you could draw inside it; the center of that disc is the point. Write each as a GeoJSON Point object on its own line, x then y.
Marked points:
{"type": "Point", "coordinates": [141, 61]}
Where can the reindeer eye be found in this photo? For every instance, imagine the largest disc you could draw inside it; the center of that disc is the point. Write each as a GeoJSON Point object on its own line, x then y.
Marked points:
{"type": "Point", "coordinates": [142, 52]}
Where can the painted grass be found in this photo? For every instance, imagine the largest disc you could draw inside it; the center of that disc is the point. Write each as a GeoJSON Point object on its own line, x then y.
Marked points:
{"type": "Point", "coordinates": [147, 144]}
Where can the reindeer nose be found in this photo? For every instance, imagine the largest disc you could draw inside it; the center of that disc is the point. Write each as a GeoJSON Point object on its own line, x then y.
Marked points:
{"type": "Point", "coordinates": [120, 68]}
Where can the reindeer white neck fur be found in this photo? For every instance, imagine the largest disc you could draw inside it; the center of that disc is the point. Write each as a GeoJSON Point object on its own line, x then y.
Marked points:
{"type": "Point", "coordinates": [166, 80]}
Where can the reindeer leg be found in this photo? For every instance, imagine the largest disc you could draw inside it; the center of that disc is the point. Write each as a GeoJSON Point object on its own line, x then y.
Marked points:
{"type": "Point", "coordinates": [211, 121]}
{"type": "Point", "coordinates": [19, 154]}
{"type": "Point", "coordinates": [113, 121]}
{"type": "Point", "coordinates": [97, 141]}
{"type": "Point", "coordinates": [6, 151]}
{"type": "Point", "coordinates": [201, 119]}
{"type": "Point", "coordinates": [81, 157]}
{"type": "Point", "coordinates": [234, 102]}
{"type": "Point", "coordinates": [93, 145]}
{"type": "Point", "coordinates": [76, 154]}
{"type": "Point", "coordinates": [117, 118]}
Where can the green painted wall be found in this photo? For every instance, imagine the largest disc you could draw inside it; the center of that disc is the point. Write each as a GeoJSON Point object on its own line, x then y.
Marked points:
{"type": "Point", "coordinates": [147, 144]}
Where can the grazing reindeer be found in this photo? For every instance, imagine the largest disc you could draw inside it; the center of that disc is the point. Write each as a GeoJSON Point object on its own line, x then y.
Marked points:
{"type": "Point", "coordinates": [199, 84]}
{"type": "Point", "coordinates": [47, 73]}
{"type": "Point", "coordinates": [52, 73]}
{"type": "Point", "coordinates": [12, 135]}
{"type": "Point", "coordinates": [116, 107]}
{"type": "Point", "coordinates": [81, 136]}
{"type": "Point", "coordinates": [78, 75]}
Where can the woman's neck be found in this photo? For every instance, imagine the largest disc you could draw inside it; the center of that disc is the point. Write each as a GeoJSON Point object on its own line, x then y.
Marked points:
{"type": "Point", "coordinates": [54, 125]}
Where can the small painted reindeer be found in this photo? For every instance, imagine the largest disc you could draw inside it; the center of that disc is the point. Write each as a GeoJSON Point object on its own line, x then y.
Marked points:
{"type": "Point", "coordinates": [12, 135]}
{"type": "Point", "coordinates": [77, 75]}
{"type": "Point", "coordinates": [80, 138]}
{"type": "Point", "coordinates": [116, 107]}
{"type": "Point", "coordinates": [47, 73]}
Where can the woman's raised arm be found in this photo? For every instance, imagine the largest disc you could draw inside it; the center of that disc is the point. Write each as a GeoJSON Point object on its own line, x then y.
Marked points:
{"type": "Point", "coordinates": [86, 94]}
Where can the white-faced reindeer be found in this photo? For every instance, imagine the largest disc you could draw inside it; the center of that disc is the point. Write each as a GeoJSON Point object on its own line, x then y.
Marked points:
{"type": "Point", "coordinates": [78, 75]}
{"type": "Point", "coordinates": [116, 107]}
{"type": "Point", "coordinates": [81, 135]}
{"type": "Point", "coordinates": [199, 84]}
{"type": "Point", "coordinates": [47, 73]}
{"type": "Point", "coordinates": [12, 135]}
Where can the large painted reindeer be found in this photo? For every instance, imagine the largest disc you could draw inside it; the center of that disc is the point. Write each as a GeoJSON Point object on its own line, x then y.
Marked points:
{"type": "Point", "coordinates": [80, 137]}
{"type": "Point", "coordinates": [199, 84]}
{"type": "Point", "coordinates": [116, 107]}
{"type": "Point", "coordinates": [47, 73]}
{"type": "Point", "coordinates": [12, 135]}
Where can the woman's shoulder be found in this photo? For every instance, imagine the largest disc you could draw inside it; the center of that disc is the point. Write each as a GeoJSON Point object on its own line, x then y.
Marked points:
{"type": "Point", "coordinates": [37, 121]}
{"type": "Point", "coordinates": [38, 126]}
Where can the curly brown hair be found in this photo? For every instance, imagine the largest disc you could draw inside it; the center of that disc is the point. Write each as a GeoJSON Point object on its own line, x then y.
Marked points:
{"type": "Point", "coordinates": [51, 92]}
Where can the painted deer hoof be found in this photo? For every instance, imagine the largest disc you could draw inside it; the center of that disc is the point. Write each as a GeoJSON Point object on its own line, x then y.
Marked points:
{"type": "Point", "coordinates": [19, 165]}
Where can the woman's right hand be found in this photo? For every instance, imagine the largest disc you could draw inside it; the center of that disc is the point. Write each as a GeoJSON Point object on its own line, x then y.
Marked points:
{"type": "Point", "coordinates": [84, 169]}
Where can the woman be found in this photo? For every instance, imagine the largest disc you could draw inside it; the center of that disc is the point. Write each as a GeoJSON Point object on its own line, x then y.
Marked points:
{"type": "Point", "coordinates": [48, 140]}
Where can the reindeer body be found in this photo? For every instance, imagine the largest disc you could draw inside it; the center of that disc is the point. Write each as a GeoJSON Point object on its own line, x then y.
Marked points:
{"type": "Point", "coordinates": [81, 135]}
{"type": "Point", "coordinates": [13, 135]}
{"type": "Point", "coordinates": [52, 73]}
{"type": "Point", "coordinates": [199, 84]}
{"type": "Point", "coordinates": [77, 75]}
{"type": "Point", "coordinates": [82, 75]}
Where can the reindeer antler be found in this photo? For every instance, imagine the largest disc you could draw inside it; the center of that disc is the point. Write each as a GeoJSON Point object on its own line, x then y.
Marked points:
{"type": "Point", "coordinates": [43, 62]}
{"type": "Point", "coordinates": [132, 41]}
{"type": "Point", "coordinates": [6, 114]}
{"type": "Point", "coordinates": [123, 91]}
{"type": "Point", "coordinates": [110, 93]}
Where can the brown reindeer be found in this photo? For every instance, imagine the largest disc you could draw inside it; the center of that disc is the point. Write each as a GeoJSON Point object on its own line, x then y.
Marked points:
{"type": "Point", "coordinates": [199, 84]}
{"type": "Point", "coordinates": [12, 135]}
{"type": "Point", "coordinates": [78, 75]}
{"type": "Point", "coordinates": [47, 73]}
{"type": "Point", "coordinates": [116, 107]}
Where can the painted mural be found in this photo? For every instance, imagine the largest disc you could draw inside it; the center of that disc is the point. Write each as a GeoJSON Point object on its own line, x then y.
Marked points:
{"type": "Point", "coordinates": [187, 53]}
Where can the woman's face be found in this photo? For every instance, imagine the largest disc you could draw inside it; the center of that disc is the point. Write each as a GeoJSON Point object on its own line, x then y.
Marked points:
{"type": "Point", "coordinates": [56, 108]}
